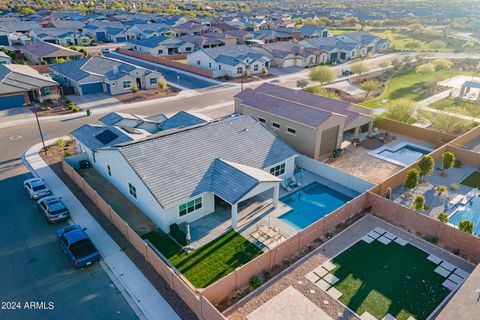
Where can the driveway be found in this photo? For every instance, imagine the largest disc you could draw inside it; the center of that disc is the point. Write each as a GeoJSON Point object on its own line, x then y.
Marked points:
{"type": "Point", "coordinates": [185, 80]}
{"type": "Point", "coordinates": [35, 269]}
{"type": "Point", "coordinates": [95, 100]}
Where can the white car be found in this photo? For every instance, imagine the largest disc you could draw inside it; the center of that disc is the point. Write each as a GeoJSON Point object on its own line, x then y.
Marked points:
{"type": "Point", "coordinates": [105, 50]}
{"type": "Point", "coordinates": [36, 188]}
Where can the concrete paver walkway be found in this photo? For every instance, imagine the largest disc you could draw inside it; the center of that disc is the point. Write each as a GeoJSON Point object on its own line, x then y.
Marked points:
{"type": "Point", "coordinates": [141, 292]}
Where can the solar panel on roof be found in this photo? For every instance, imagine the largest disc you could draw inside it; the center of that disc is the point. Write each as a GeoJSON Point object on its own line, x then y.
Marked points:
{"type": "Point", "coordinates": [106, 136]}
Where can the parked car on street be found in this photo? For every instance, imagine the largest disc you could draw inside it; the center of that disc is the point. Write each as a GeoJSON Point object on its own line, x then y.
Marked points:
{"type": "Point", "coordinates": [105, 50]}
{"type": "Point", "coordinates": [36, 188]}
{"type": "Point", "coordinates": [77, 246]}
{"type": "Point", "coordinates": [53, 209]}
{"type": "Point", "coordinates": [337, 61]}
{"type": "Point", "coordinates": [346, 73]}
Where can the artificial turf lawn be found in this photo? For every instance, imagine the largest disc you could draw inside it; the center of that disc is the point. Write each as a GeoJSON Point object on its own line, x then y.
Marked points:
{"type": "Point", "coordinates": [210, 262]}
{"type": "Point", "coordinates": [473, 180]}
{"type": "Point", "coordinates": [393, 279]}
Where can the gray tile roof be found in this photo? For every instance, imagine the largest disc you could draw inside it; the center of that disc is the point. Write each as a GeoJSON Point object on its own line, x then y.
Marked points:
{"type": "Point", "coordinates": [232, 55]}
{"type": "Point", "coordinates": [179, 166]}
{"type": "Point", "coordinates": [152, 42]}
{"type": "Point", "coordinates": [87, 133]}
{"type": "Point", "coordinates": [20, 78]}
{"type": "Point", "coordinates": [41, 49]}
{"type": "Point", "coordinates": [296, 105]}
{"type": "Point", "coordinates": [181, 119]}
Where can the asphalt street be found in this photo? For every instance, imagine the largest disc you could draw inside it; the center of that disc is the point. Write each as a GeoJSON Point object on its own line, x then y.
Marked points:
{"type": "Point", "coordinates": [172, 76]}
{"type": "Point", "coordinates": [35, 272]}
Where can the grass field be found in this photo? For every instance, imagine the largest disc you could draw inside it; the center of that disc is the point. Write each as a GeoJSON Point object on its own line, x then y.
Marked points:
{"type": "Point", "coordinates": [473, 180]}
{"type": "Point", "coordinates": [209, 263]}
{"type": "Point", "coordinates": [388, 279]}
{"type": "Point", "coordinates": [404, 84]}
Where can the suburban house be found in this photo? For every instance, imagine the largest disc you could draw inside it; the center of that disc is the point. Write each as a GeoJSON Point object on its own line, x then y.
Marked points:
{"type": "Point", "coordinates": [99, 74]}
{"type": "Point", "coordinates": [20, 84]}
{"type": "Point", "coordinates": [160, 46]}
{"type": "Point", "coordinates": [5, 58]}
{"type": "Point", "coordinates": [227, 39]}
{"type": "Point", "coordinates": [116, 35]}
{"type": "Point", "coordinates": [241, 35]}
{"type": "Point", "coordinates": [366, 40]}
{"type": "Point", "coordinates": [236, 159]}
{"type": "Point", "coordinates": [188, 28]}
{"type": "Point", "coordinates": [147, 30]}
{"type": "Point", "coordinates": [288, 54]}
{"type": "Point", "coordinates": [40, 52]}
{"type": "Point", "coordinates": [334, 47]}
{"type": "Point", "coordinates": [313, 125]}
{"type": "Point", "coordinates": [313, 32]}
{"type": "Point", "coordinates": [203, 41]}
{"type": "Point", "coordinates": [97, 30]}
{"type": "Point", "coordinates": [229, 61]}
{"type": "Point", "coordinates": [60, 36]}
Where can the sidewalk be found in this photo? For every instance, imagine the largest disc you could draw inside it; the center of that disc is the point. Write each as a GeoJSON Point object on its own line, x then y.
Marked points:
{"type": "Point", "coordinates": [134, 284]}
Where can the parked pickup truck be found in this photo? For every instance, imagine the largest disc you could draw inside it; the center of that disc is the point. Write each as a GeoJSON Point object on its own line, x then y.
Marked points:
{"type": "Point", "coordinates": [77, 246]}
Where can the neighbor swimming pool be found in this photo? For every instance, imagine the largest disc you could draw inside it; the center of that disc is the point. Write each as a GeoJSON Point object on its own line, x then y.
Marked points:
{"type": "Point", "coordinates": [403, 154]}
{"type": "Point", "coordinates": [470, 212]}
{"type": "Point", "coordinates": [311, 203]}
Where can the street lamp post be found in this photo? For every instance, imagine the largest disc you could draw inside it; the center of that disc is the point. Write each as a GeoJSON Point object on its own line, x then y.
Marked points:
{"type": "Point", "coordinates": [178, 80]}
{"type": "Point", "coordinates": [40, 129]}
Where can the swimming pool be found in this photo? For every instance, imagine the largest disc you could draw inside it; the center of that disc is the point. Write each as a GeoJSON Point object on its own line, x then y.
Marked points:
{"type": "Point", "coordinates": [403, 154]}
{"type": "Point", "coordinates": [311, 203]}
{"type": "Point", "coordinates": [470, 212]}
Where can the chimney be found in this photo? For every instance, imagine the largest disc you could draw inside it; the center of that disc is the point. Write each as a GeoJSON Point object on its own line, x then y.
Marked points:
{"type": "Point", "coordinates": [115, 70]}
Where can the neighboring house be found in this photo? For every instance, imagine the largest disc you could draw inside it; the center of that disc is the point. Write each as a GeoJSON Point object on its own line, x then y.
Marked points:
{"type": "Point", "coordinates": [97, 30]}
{"type": "Point", "coordinates": [60, 36]}
{"type": "Point", "coordinates": [189, 28]}
{"type": "Point", "coordinates": [203, 42]}
{"type": "Point", "coordinates": [369, 43]}
{"type": "Point", "coordinates": [228, 40]}
{"type": "Point", "coordinates": [5, 38]}
{"type": "Point", "coordinates": [99, 74]}
{"type": "Point", "coordinates": [160, 46]}
{"type": "Point", "coordinates": [269, 36]}
{"type": "Point", "coordinates": [183, 174]}
{"type": "Point", "coordinates": [229, 61]}
{"type": "Point", "coordinates": [147, 30]}
{"type": "Point", "coordinates": [115, 35]}
{"type": "Point", "coordinates": [20, 84]}
{"type": "Point", "coordinates": [40, 52]}
{"type": "Point", "coordinates": [334, 47]}
{"type": "Point", "coordinates": [313, 125]}
{"type": "Point", "coordinates": [313, 32]}
{"type": "Point", "coordinates": [5, 58]}
{"type": "Point", "coordinates": [127, 121]}
{"type": "Point", "coordinates": [287, 54]}
{"type": "Point", "coordinates": [241, 36]}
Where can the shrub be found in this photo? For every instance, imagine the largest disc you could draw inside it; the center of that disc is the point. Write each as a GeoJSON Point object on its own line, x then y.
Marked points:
{"type": "Point", "coordinates": [71, 105]}
{"type": "Point", "coordinates": [302, 83]}
{"type": "Point", "coordinates": [359, 68]}
{"type": "Point", "coordinates": [458, 163]}
{"type": "Point", "coordinates": [448, 160]}
{"type": "Point", "coordinates": [255, 282]}
{"type": "Point", "coordinates": [466, 226]}
{"type": "Point", "coordinates": [319, 91]}
{"type": "Point", "coordinates": [60, 143]}
{"type": "Point", "coordinates": [426, 68]}
{"type": "Point", "coordinates": [411, 181]}
{"type": "Point", "coordinates": [66, 154]}
{"type": "Point", "coordinates": [431, 239]}
{"type": "Point", "coordinates": [442, 216]}
{"type": "Point", "coordinates": [322, 74]}
{"type": "Point", "coordinates": [441, 190]}
{"type": "Point", "coordinates": [419, 202]}
{"type": "Point", "coordinates": [426, 207]}
{"type": "Point", "coordinates": [454, 186]}
{"type": "Point", "coordinates": [425, 165]}
{"type": "Point", "coordinates": [162, 83]}
{"type": "Point", "coordinates": [264, 70]}
{"type": "Point", "coordinates": [134, 88]}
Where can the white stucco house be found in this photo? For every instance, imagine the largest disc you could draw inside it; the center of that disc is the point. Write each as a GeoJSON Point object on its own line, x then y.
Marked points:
{"type": "Point", "coordinates": [160, 46]}
{"type": "Point", "coordinates": [183, 171]}
{"type": "Point", "coordinates": [229, 61]}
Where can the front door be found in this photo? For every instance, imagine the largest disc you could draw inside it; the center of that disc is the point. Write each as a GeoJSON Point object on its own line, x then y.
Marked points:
{"type": "Point", "coordinates": [139, 83]}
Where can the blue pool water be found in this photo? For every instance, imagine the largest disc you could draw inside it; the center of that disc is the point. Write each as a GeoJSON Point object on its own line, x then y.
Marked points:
{"type": "Point", "coordinates": [471, 213]}
{"type": "Point", "coordinates": [311, 203]}
{"type": "Point", "coordinates": [406, 155]}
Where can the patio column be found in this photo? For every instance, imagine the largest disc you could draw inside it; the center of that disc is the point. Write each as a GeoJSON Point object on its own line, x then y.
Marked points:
{"type": "Point", "coordinates": [356, 132]}
{"type": "Point", "coordinates": [370, 129]}
{"type": "Point", "coordinates": [276, 191]}
{"type": "Point", "coordinates": [234, 215]}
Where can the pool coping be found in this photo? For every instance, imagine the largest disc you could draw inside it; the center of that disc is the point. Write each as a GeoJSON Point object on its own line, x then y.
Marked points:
{"type": "Point", "coordinates": [376, 153]}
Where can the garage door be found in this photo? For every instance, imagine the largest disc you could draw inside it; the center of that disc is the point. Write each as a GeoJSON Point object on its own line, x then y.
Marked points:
{"type": "Point", "coordinates": [120, 39]}
{"type": "Point", "coordinates": [299, 62]}
{"type": "Point", "coordinates": [92, 88]}
{"type": "Point", "coordinates": [11, 101]}
{"type": "Point", "coordinates": [328, 142]}
{"type": "Point", "coordinates": [100, 36]}
{"type": "Point", "coordinates": [289, 63]}
{"type": "Point", "coordinates": [4, 41]}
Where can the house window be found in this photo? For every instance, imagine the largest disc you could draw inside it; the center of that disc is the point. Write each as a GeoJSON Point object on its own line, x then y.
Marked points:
{"type": "Point", "coordinates": [239, 70]}
{"type": "Point", "coordinates": [190, 206]}
{"type": "Point", "coordinates": [275, 125]}
{"type": "Point", "coordinates": [114, 83]}
{"type": "Point", "coordinates": [198, 62]}
{"type": "Point", "coordinates": [93, 156]}
{"type": "Point", "coordinates": [160, 51]}
{"type": "Point", "coordinates": [126, 84]}
{"type": "Point", "coordinates": [261, 119]}
{"type": "Point", "coordinates": [188, 49]}
{"type": "Point", "coordinates": [255, 67]}
{"type": "Point", "coordinates": [109, 170]}
{"type": "Point", "coordinates": [278, 170]}
{"type": "Point", "coordinates": [219, 67]}
{"type": "Point", "coordinates": [153, 80]}
{"type": "Point", "coordinates": [291, 131]}
{"type": "Point", "coordinates": [210, 65]}
{"type": "Point", "coordinates": [132, 190]}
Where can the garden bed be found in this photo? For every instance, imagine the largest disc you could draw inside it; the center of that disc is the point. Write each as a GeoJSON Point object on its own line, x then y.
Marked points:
{"type": "Point", "coordinates": [54, 107]}
{"type": "Point", "coordinates": [150, 94]}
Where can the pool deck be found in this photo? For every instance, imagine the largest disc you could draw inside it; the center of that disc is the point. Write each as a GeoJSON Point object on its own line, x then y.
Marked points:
{"type": "Point", "coordinates": [358, 162]}
{"type": "Point", "coordinates": [257, 211]}
{"type": "Point", "coordinates": [436, 202]}
{"type": "Point", "coordinates": [294, 276]}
